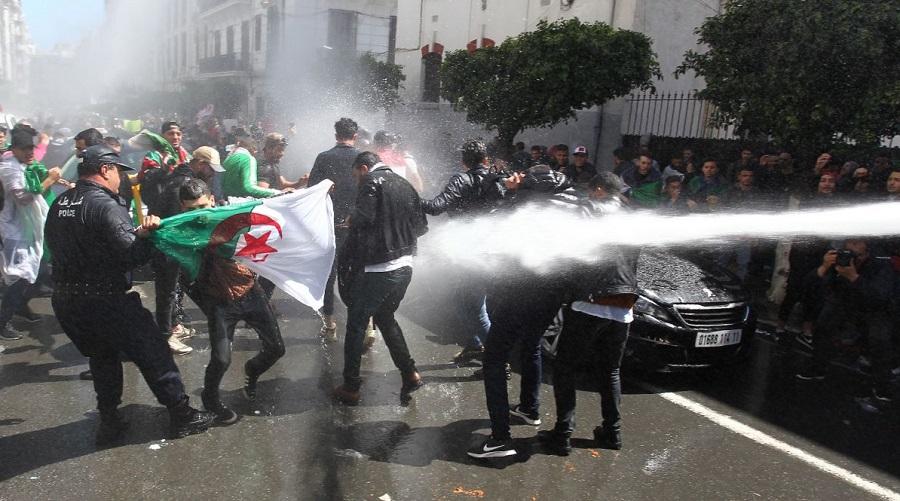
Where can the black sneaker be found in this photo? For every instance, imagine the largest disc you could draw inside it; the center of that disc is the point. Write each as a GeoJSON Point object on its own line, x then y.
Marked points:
{"type": "Point", "coordinates": [532, 418]}
{"type": "Point", "coordinates": [250, 383]}
{"type": "Point", "coordinates": [7, 334]}
{"type": "Point", "coordinates": [112, 428]}
{"type": "Point", "coordinates": [811, 374]}
{"type": "Point", "coordinates": [86, 375]}
{"type": "Point", "coordinates": [606, 438]}
{"type": "Point", "coordinates": [468, 354]}
{"type": "Point", "coordinates": [555, 442]}
{"type": "Point", "coordinates": [491, 448]}
{"type": "Point", "coordinates": [224, 415]}
{"type": "Point", "coordinates": [805, 340]}
{"type": "Point", "coordinates": [186, 420]}
{"type": "Point", "coordinates": [882, 396]}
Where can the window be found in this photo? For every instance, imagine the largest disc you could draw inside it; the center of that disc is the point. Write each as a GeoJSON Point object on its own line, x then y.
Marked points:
{"type": "Point", "coordinates": [431, 81]}
{"type": "Point", "coordinates": [245, 39]}
{"type": "Point", "coordinates": [257, 34]}
{"type": "Point", "coordinates": [183, 50]}
{"type": "Point", "coordinates": [229, 40]}
{"type": "Point", "coordinates": [342, 30]}
{"type": "Point", "coordinates": [217, 43]}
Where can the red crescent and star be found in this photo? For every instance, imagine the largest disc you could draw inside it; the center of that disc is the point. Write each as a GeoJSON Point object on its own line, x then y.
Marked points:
{"type": "Point", "coordinates": [256, 247]}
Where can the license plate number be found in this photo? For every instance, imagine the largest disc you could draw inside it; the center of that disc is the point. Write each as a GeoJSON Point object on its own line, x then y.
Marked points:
{"type": "Point", "coordinates": [719, 338]}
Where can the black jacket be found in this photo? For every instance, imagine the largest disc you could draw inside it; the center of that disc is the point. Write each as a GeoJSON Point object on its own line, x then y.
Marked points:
{"type": "Point", "coordinates": [92, 240]}
{"type": "Point", "coordinates": [615, 273]}
{"type": "Point", "coordinates": [871, 292]}
{"type": "Point", "coordinates": [387, 221]}
{"type": "Point", "coordinates": [336, 164]}
{"type": "Point", "coordinates": [159, 190]}
{"type": "Point", "coordinates": [473, 191]}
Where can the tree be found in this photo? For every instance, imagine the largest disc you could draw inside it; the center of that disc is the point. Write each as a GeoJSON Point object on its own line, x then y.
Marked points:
{"type": "Point", "coordinates": [540, 78]}
{"type": "Point", "coordinates": [377, 83]}
{"type": "Point", "coordinates": [806, 73]}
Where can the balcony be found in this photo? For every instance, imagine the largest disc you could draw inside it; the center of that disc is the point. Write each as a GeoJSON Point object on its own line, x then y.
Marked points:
{"type": "Point", "coordinates": [223, 64]}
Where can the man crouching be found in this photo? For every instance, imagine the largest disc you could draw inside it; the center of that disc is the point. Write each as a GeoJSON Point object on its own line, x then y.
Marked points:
{"type": "Point", "coordinates": [227, 293]}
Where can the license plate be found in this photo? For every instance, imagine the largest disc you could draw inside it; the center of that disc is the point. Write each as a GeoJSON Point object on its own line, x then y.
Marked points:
{"type": "Point", "coordinates": [719, 338]}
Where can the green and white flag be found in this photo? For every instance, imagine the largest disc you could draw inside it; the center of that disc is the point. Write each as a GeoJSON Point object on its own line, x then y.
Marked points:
{"type": "Point", "coordinates": [288, 239]}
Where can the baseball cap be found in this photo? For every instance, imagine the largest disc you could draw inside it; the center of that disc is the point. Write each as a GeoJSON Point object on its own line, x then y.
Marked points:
{"type": "Point", "coordinates": [210, 156]}
{"type": "Point", "coordinates": [580, 150]}
{"type": "Point", "coordinates": [23, 137]}
{"type": "Point", "coordinates": [97, 155]}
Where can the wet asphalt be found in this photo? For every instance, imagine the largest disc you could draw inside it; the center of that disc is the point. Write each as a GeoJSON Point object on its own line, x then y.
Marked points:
{"type": "Point", "coordinates": [295, 443]}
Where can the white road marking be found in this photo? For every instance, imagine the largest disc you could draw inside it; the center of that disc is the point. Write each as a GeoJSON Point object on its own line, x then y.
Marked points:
{"type": "Point", "coordinates": [770, 441]}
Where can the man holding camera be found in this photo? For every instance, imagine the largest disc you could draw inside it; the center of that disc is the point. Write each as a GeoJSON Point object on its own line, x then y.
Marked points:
{"type": "Point", "coordinates": [857, 288]}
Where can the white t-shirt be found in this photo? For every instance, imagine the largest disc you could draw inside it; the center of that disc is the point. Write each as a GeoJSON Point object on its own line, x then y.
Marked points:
{"type": "Point", "coordinates": [617, 313]}
{"type": "Point", "coordinates": [393, 264]}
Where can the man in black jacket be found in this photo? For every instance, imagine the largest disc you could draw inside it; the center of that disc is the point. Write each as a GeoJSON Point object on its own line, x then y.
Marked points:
{"type": "Point", "coordinates": [858, 289]}
{"type": "Point", "coordinates": [94, 246]}
{"type": "Point", "coordinates": [336, 165]}
{"type": "Point", "coordinates": [469, 193]}
{"type": "Point", "coordinates": [595, 329]}
{"type": "Point", "coordinates": [376, 268]}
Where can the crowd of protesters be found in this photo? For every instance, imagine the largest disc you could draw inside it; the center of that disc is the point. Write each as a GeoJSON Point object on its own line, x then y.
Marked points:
{"type": "Point", "coordinates": [850, 305]}
{"type": "Point", "coordinates": [838, 284]}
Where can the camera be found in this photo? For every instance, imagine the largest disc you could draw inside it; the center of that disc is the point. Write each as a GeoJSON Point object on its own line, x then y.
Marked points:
{"type": "Point", "coordinates": [845, 257]}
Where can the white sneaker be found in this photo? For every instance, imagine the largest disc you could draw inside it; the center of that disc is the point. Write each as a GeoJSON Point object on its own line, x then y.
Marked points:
{"type": "Point", "coordinates": [329, 329]}
{"type": "Point", "coordinates": [183, 331]}
{"type": "Point", "coordinates": [178, 347]}
{"type": "Point", "coordinates": [369, 340]}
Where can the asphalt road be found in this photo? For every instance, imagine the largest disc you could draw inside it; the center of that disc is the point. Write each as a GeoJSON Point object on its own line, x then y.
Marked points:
{"type": "Point", "coordinates": [748, 432]}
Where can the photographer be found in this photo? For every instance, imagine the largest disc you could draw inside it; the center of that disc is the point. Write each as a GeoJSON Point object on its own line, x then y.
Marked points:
{"type": "Point", "coordinates": [857, 289]}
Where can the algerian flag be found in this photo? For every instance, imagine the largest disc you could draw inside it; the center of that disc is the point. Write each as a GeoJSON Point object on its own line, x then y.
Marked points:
{"type": "Point", "coordinates": [288, 239]}
{"type": "Point", "coordinates": [147, 140]}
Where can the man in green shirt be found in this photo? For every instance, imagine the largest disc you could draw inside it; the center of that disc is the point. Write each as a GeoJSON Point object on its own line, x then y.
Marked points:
{"type": "Point", "coordinates": [240, 178]}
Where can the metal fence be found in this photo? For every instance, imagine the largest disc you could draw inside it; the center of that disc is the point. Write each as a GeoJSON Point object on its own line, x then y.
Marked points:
{"type": "Point", "coordinates": [673, 114]}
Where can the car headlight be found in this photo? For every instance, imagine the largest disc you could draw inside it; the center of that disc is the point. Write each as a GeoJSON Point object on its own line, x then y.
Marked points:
{"type": "Point", "coordinates": [647, 307]}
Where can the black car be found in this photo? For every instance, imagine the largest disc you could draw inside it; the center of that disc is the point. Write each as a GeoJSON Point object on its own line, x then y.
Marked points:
{"type": "Point", "coordinates": [691, 313]}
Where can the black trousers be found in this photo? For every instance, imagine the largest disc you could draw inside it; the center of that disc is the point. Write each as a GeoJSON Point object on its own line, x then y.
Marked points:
{"type": "Point", "coordinates": [15, 297]}
{"type": "Point", "coordinates": [222, 318]}
{"type": "Point", "coordinates": [376, 295]}
{"type": "Point", "coordinates": [877, 326]}
{"type": "Point", "coordinates": [101, 327]}
{"type": "Point", "coordinates": [595, 345]}
{"type": "Point", "coordinates": [165, 273]}
{"type": "Point", "coordinates": [517, 313]}
{"type": "Point", "coordinates": [268, 287]}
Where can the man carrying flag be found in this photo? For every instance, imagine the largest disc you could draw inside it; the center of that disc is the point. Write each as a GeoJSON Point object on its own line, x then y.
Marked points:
{"type": "Point", "coordinates": [288, 239]}
{"type": "Point", "coordinates": [228, 292]}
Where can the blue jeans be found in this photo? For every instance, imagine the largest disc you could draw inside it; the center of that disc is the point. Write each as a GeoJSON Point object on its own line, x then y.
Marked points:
{"type": "Point", "coordinates": [471, 308]}
{"type": "Point", "coordinates": [519, 314]}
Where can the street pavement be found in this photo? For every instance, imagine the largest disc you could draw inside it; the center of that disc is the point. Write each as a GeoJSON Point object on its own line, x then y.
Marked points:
{"type": "Point", "coordinates": [745, 432]}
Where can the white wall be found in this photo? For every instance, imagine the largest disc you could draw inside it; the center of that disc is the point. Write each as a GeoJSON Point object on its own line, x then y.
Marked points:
{"type": "Point", "coordinates": [669, 23]}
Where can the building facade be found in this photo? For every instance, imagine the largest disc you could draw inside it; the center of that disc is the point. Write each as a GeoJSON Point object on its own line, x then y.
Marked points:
{"type": "Point", "coordinates": [429, 28]}
{"type": "Point", "coordinates": [236, 48]}
{"type": "Point", "coordinates": [16, 51]}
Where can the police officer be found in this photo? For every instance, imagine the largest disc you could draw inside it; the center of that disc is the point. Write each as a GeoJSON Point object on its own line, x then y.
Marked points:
{"type": "Point", "coordinates": [94, 245]}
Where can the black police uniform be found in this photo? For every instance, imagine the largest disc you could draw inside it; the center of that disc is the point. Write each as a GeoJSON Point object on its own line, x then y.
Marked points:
{"type": "Point", "coordinates": [94, 246]}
